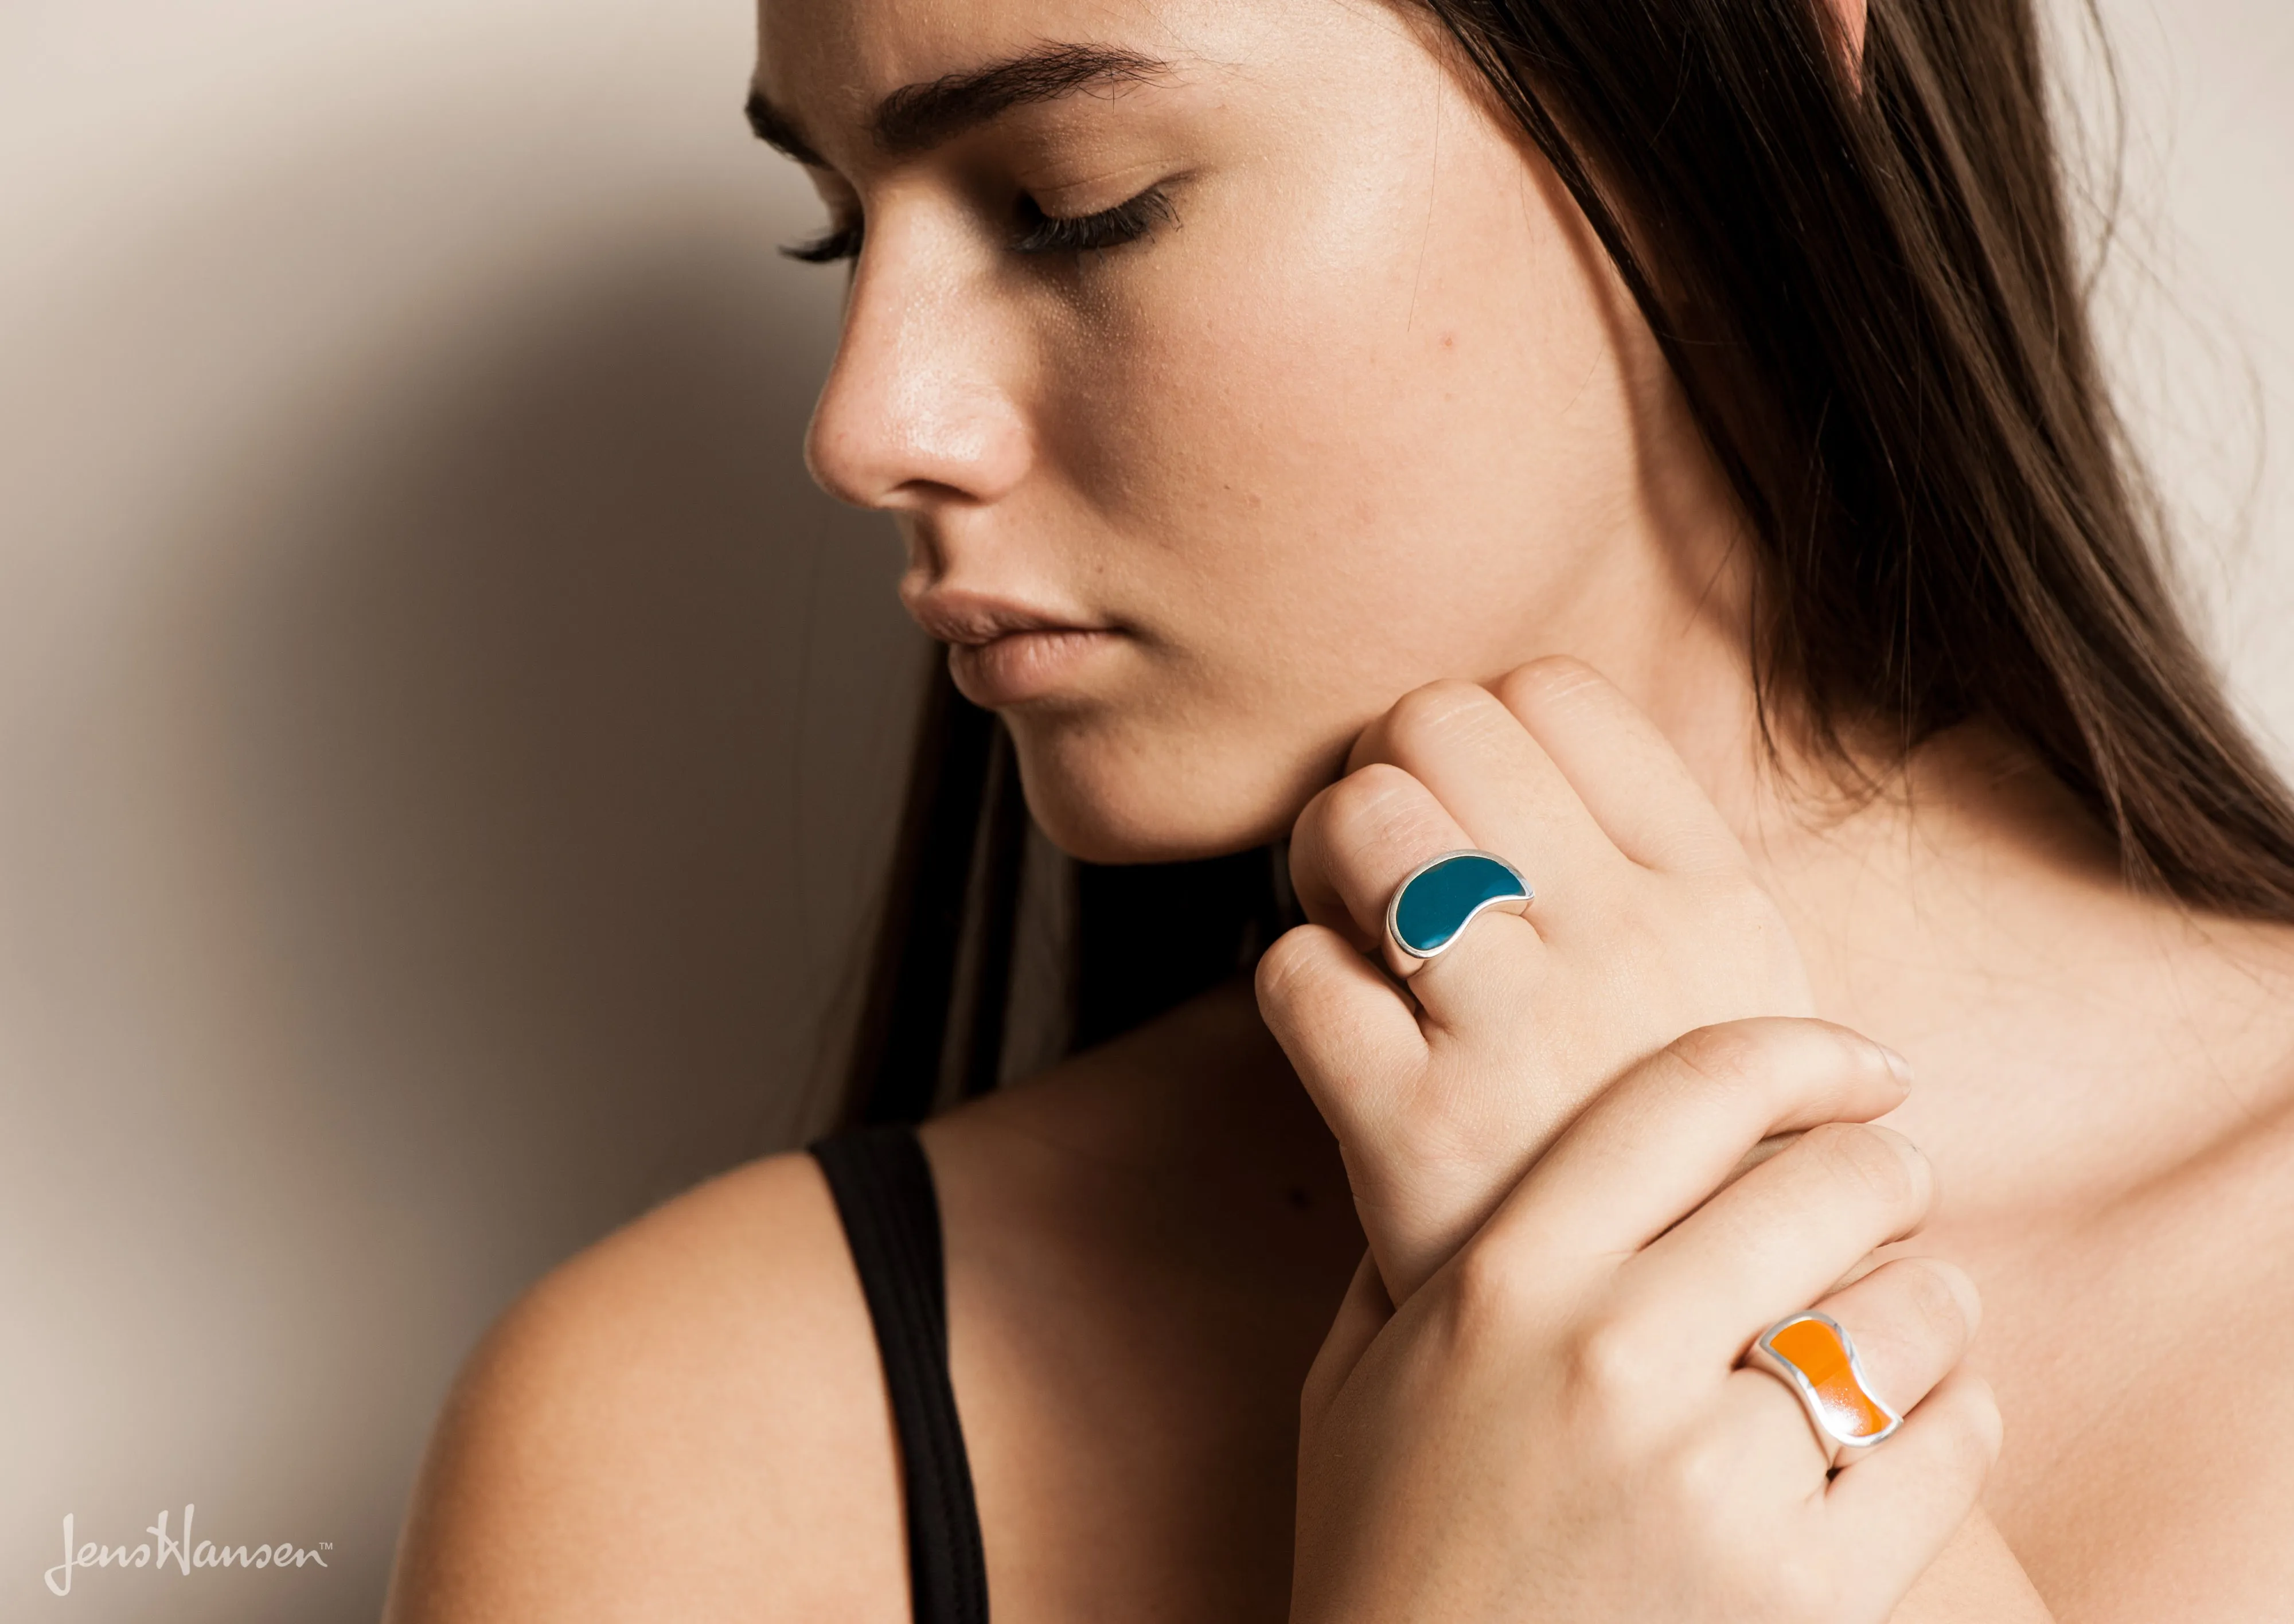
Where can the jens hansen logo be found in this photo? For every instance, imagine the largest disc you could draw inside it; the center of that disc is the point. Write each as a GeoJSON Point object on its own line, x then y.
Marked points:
{"type": "Point", "coordinates": [163, 1548]}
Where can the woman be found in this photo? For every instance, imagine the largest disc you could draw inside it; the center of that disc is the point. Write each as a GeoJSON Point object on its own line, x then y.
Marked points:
{"type": "Point", "coordinates": [1268, 394]}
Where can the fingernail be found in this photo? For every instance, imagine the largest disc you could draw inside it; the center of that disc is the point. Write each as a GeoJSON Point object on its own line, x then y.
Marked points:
{"type": "Point", "coordinates": [1900, 1067]}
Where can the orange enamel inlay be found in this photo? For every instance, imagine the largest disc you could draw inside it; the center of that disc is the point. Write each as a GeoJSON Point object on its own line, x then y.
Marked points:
{"type": "Point", "coordinates": [1813, 1348]}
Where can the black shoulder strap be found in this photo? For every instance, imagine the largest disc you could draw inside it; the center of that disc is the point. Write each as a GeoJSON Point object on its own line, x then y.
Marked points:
{"type": "Point", "coordinates": [884, 1191]}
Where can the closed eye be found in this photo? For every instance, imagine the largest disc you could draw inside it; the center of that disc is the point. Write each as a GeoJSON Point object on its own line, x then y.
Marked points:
{"type": "Point", "coordinates": [1130, 221]}
{"type": "Point", "coordinates": [838, 242]}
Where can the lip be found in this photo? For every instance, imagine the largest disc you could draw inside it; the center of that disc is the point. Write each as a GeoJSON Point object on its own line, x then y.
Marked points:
{"type": "Point", "coordinates": [1005, 652]}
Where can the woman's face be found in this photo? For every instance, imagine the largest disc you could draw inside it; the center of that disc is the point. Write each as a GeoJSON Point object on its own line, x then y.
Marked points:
{"type": "Point", "coordinates": [1340, 397]}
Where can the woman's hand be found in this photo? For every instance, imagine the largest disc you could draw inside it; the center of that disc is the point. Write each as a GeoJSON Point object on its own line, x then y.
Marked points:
{"type": "Point", "coordinates": [1557, 1427]}
{"type": "Point", "coordinates": [1648, 923]}
{"type": "Point", "coordinates": [1552, 1427]}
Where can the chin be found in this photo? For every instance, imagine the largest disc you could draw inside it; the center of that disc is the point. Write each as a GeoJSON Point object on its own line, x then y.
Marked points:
{"type": "Point", "coordinates": [1104, 799]}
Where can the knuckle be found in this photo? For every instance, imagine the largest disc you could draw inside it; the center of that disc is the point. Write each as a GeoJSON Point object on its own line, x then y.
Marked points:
{"type": "Point", "coordinates": [1871, 1163]}
{"type": "Point", "coordinates": [1753, 1058]}
{"type": "Point", "coordinates": [1611, 1360]}
{"type": "Point", "coordinates": [1437, 712]}
{"type": "Point", "coordinates": [1367, 796]}
{"type": "Point", "coordinates": [1702, 1470]}
{"type": "Point", "coordinates": [1284, 966]}
{"type": "Point", "coordinates": [1487, 1298]}
{"type": "Point", "coordinates": [1553, 680]}
{"type": "Point", "coordinates": [1377, 807]}
{"type": "Point", "coordinates": [1731, 1055]}
{"type": "Point", "coordinates": [1942, 1300]}
{"type": "Point", "coordinates": [1786, 1059]}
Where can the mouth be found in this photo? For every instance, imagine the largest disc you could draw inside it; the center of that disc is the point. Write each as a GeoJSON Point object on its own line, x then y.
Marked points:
{"type": "Point", "coordinates": [1002, 653]}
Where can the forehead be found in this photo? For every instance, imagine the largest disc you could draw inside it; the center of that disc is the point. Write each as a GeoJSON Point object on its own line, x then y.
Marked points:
{"type": "Point", "coordinates": [845, 55]}
{"type": "Point", "coordinates": [828, 64]}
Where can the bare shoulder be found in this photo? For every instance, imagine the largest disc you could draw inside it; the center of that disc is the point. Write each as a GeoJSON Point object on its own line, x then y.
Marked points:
{"type": "Point", "coordinates": [2143, 1474]}
{"type": "Point", "coordinates": [684, 1422]}
{"type": "Point", "coordinates": [689, 1421]}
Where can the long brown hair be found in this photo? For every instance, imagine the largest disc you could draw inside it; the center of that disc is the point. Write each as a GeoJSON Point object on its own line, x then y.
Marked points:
{"type": "Point", "coordinates": [1862, 270]}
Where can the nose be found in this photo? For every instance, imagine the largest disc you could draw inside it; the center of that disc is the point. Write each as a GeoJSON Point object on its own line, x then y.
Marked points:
{"type": "Point", "coordinates": [920, 406]}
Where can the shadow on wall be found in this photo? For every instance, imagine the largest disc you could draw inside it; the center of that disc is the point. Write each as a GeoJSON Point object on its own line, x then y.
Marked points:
{"type": "Point", "coordinates": [583, 720]}
{"type": "Point", "coordinates": [463, 859]}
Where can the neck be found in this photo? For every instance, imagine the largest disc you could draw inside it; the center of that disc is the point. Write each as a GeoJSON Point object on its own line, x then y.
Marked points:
{"type": "Point", "coordinates": [2069, 1036]}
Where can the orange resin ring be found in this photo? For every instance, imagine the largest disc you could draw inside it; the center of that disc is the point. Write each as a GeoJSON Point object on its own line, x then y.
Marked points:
{"type": "Point", "coordinates": [1811, 1354]}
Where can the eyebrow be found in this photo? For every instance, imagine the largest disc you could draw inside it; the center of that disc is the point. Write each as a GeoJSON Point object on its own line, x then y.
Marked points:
{"type": "Point", "coordinates": [916, 118]}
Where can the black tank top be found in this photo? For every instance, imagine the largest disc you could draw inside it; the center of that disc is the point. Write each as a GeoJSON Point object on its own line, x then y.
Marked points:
{"type": "Point", "coordinates": [884, 1191]}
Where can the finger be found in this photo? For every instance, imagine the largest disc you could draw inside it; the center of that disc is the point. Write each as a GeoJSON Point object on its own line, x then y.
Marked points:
{"type": "Point", "coordinates": [1902, 1503]}
{"type": "Point", "coordinates": [1360, 1316]}
{"type": "Point", "coordinates": [1357, 839]}
{"type": "Point", "coordinates": [1362, 1053]}
{"type": "Point", "coordinates": [1356, 842]}
{"type": "Point", "coordinates": [1626, 773]}
{"type": "Point", "coordinates": [1654, 1146]}
{"type": "Point", "coordinates": [1348, 1032]}
{"type": "Point", "coordinates": [1909, 1321]}
{"type": "Point", "coordinates": [1780, 1236]}
{"type": "Point", "coordinates": [1478, 759]}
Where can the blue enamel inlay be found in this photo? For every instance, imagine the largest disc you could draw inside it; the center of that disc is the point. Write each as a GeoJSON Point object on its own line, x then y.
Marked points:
{"type": "Point", "coordinates": [1436, 905]}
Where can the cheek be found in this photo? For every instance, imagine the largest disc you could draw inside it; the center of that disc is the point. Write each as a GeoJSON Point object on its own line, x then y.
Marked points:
{"type": "Point", "coordinates": [1349, 448]}
{"type": "Point", "coordinates": [1325, 454]}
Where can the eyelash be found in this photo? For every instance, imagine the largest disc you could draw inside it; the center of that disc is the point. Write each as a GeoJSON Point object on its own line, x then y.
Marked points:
{"type": "Point", "coordinates": [1129, 221]}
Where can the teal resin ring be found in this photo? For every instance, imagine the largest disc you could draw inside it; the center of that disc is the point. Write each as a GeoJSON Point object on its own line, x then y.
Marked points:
{"type": "Point", "coordinates": [1436, 901]}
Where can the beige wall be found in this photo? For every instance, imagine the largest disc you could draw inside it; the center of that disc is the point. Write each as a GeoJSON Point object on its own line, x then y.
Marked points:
{"type": "Point", "coordinates": [442, 735]}
{"type": "Point", "coordinates": [442, 730]}
{"type": "Point", "coordinates": [2199, 308]}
